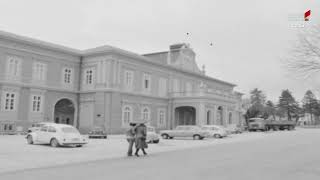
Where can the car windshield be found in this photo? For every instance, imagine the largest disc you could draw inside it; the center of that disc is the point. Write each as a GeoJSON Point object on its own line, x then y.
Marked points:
{"type": "Point", "coordinates": [69, 130]}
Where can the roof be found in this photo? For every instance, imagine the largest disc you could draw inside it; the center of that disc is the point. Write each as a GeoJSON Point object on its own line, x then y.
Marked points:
{"type": "Point", "coordinates": [39, 43]}
{"type": "Point", "coordinates": [99, 50]}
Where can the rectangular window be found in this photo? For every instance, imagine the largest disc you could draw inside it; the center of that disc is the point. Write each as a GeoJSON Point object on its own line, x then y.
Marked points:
{"type": "Point", "coordinates": [128, 79]}
{"type": "Point", "coordinates": [67, 75]}
{"type": "Point", "coordinates": [188, 89]}
{"type": "Point", "coordinates": [146, 82]}
{"type": "Point", "coordinates": [176, 85]}
{"type": "Point", "coordinates": [36, 103]}
{"type": "Point", "coordinates": [10, 99]}
{"type": "Point", "coordinates": [163, 87]}
{"type": "Point", "coordinates": [39, 71]}
{"type": "Point", "coordinates": [89, 76]}
{"type": "Point", "coordinates": [13, 67]}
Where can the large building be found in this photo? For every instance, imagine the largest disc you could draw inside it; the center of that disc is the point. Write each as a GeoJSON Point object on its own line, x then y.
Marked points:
{"type": "Point", "coordinates": [108, 87]}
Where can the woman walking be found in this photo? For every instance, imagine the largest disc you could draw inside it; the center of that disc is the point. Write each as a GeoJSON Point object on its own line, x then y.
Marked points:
{"type": "Point", "coordinates": [141, 136]}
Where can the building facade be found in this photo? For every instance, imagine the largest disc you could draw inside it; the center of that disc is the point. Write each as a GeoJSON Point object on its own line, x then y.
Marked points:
{"type": "Point", "coordinates": [108, 87]}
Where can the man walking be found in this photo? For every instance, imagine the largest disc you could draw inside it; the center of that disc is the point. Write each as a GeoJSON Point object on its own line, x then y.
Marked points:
{"type": "Point", "coordinates": [131, 137]}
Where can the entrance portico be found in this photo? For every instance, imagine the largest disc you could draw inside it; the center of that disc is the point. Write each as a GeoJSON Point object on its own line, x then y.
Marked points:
{"type": "Point", "coordinates": [185, 115]}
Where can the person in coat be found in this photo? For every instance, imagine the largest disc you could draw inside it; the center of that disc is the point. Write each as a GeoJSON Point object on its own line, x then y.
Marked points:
{"type": "Point", "coordinates": [141, 137]}
{"type": "Point", "coordinates": [131, 137]}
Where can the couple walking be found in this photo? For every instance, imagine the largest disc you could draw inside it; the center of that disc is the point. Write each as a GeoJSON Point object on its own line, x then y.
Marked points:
{"type": "Point", "coordinates": [137, 134]}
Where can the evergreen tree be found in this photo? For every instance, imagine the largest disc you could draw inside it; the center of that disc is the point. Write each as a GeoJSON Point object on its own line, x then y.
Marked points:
{"type": "Point", "coordinates": [257, 104]}
{"type": "Point", "coordinates": [270, 109]}
{"type": "Point", "coordinates": [310, 104]}
{"type": "Point", "coordinates": [288, 104]}
{"type": "Point", "coordinates": [257, 97]}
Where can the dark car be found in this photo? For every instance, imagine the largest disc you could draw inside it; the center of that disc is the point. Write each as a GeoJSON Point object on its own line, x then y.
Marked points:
{"type": "Point", "coordinates": [98, 133]}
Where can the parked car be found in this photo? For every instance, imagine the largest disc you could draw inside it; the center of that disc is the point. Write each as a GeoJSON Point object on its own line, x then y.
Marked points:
{"type": "Point", "coordinates": [57, 135]}
{"type": "Point", "coordinates": [234, 129]}
{"type": "Point", "coordinates": [98, 132]}
{"type": "Point", "coordinates": [185, 131]}
{"type": "Point", "coordinates": [215, 131]}
{"type": "Point", "coordinates": [37, 126]}
{"type": "Point", "coordinates": [152, 136]}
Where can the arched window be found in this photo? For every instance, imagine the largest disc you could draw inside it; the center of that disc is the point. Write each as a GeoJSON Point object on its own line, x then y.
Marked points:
{"type": "Point", "coordinates": [161, 118]}
{"type": "Point", "coordinates": [126, 115]}
{"type": "Point", "coordinates": [220, 115]}
{"type": "Point", "coordinates": [208, 116]}
{"type": "Point", "coordinates": [230, 118]}
{"type": "Point", "coordinates": [145, 114]}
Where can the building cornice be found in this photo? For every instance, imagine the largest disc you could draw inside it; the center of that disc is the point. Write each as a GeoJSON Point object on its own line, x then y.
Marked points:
{"type": "Point", "coordinates": [99, 51]}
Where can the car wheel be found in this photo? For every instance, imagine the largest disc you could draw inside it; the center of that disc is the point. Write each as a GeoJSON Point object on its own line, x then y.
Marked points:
{"type": "Point", "coordinates": [79, 145]}
{"type": "Point", "coordinates": [30, 139]}
{"type": "Point", "coordinates": [156, 141]}
{"type": "Point", "coordinates": [105, 137]}
{"type": "Point", "coordinates": [196, 137]}
{"type": "Point", "coordinates": [54, 142]}
{"type": "Point", "coordinates": [165, 136]}
{"type": "Point", "coordinates": [217, 136]}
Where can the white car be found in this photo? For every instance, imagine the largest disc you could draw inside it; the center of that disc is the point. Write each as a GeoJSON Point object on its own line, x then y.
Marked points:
{"type": "Point", "coordinates": [37, 126]}
{"type": "Point", "coordinates": [234, 129]}
{"type": "Point", "coordinates": [215, 131]}
{"type": "Point", "coordinates": [185, 131]}
{"type": "Point", "coordinates": [152, 136]}
{"type": "Point", "coordinates": [57, 135]}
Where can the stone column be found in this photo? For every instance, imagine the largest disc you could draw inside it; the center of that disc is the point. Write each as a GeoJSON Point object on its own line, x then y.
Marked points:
{"type": "Point", "coordinates": [201, 114]}
{"type": "Point", "coordinates": [212, 115]}
{"type": "Point", "coordinates": [225, 115]}
{"type": "Point", "coordinates": [215, 113]}
{"type": "Point", "coordinates": [170, 119]}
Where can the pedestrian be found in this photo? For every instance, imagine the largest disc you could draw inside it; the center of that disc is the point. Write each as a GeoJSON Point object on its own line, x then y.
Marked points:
{"type": "Point", "coordinates": [141, 137]}
{"type": "Point", "coordinates": [131, 137]}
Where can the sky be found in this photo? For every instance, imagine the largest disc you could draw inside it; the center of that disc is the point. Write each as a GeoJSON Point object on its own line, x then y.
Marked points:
{"type": "Point", "coordinates": [249, 37]}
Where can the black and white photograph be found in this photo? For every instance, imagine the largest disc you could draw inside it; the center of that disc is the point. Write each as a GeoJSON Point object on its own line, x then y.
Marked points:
{"type": "Point", "coordinates": [159, 90]}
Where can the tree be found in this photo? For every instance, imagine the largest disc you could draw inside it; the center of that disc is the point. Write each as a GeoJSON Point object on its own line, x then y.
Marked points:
{"type": "Point", "coordinates": [288, 104]}
{"type": "Point", "coordinates": [270, 109]}
{"type": "Point", "coordinates": [304, 57]}
{"type": "Point", "coordinates": [257, 97]}
{"type": "Point", "coordinates": [310, 104]}
{"type": "Point", "coordinates": [257, 104]}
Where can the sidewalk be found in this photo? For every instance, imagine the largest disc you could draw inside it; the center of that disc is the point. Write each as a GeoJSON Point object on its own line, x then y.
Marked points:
{"type": "Point", "coordinates": [16, 154]}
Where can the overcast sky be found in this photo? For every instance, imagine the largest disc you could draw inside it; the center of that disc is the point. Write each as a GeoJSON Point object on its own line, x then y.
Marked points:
{"type": "Point", "coordinates": [249, 36]}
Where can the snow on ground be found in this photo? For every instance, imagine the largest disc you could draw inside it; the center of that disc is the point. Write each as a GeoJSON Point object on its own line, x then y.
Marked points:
{"type": "Point", "coordinates": [16, 154]}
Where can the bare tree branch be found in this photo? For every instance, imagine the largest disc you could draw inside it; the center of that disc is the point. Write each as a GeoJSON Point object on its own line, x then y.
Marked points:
{"type": "Point", "coordinates": [304, 59]}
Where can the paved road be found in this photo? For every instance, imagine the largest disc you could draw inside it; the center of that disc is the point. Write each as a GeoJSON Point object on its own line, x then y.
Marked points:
{"type": "Point", "coordinates": [286, 155]}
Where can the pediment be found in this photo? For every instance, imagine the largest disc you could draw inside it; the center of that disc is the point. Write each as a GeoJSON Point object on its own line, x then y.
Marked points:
{"type": "Point", "coordinates": [186, 60]}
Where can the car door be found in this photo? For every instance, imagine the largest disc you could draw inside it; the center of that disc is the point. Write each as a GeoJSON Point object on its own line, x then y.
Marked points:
{"type": "Point", "coordinates": [41, 134]}
{"type": "Point", "coordinates": [188, 132]}
{"type": "Point", "coordinates": [178, 131]}
{"type": "Point", "coordinates": [50, 134]}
